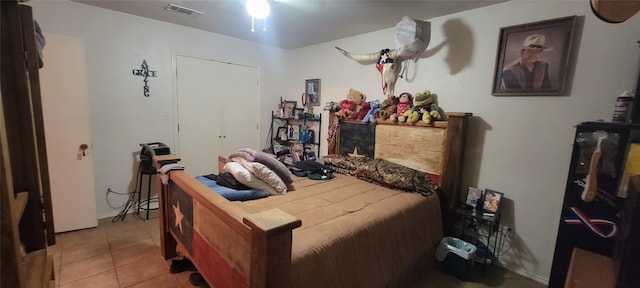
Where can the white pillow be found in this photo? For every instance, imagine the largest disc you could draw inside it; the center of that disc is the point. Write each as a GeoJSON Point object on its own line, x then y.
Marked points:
{"type": "Point", "coordinates": [245, 177]}
{"type": "Point", "coordinates": [265, 174]}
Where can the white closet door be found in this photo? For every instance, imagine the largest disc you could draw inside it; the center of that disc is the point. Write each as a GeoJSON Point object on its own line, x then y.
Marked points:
{"type": "Point", "coordinates": [65, 109]}
{"type": "Point", "coordinates": [241, 111]}
{"type": "Point", "coordinates": [218, 111]}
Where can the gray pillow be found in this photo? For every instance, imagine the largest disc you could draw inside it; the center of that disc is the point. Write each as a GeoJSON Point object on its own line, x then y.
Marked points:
{"type": "Point", "coordinates": [263, 158]}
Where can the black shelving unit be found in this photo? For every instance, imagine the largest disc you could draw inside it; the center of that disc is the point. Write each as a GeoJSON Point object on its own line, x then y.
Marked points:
{"type": "Point", "coordinates": [298, 136]}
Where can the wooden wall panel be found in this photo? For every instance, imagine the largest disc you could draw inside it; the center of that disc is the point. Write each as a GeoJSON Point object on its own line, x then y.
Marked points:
{"type": "Point", "coordinates": [417, 148]}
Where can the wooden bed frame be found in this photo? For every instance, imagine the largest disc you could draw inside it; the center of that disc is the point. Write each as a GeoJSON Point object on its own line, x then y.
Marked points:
{"type": "Point", "coordinates": [233, 248]}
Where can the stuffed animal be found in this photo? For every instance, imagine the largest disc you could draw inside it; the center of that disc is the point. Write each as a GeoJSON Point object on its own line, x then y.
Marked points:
{"type": "Point", "coordinates": [388, 107]}
{"type": "Point", "coordinates": [352, 104]}
{"type": "Point", "coordinates": [424, 109]}
{"type": "Point", "coordinates": [364, 109]}
{"type": "Point", "coordinates": [405, 102]}
{"type": "Point", "coordinates": [373, 111]}
{"type": "Point", "coordinates": [347, 107]}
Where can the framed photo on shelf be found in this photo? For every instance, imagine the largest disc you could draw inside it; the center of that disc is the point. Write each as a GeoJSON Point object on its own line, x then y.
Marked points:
{"type": "Point", "coordinates": [312, 91]}
{"type": "Point", "coordinates": [289, 109]}
{"type": "Point", "coordinates": [282, 134]}
{"type": "Point", "coordinates": [294, 132]}
{"type": "Point", "coordinates": [473, 196]}
{"type": "Point", "coordinates": [491, 201]}
{"type": "Point", "coordinates": [299, 114]}
{"type": "Point", "coordinates": [533, 58]}
{"type": "Point", "coordinates": [277, 148]}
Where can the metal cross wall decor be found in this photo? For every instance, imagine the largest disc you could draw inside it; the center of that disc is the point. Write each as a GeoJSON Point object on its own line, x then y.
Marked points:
{"type": "Point", "coordinates": [146, 73]}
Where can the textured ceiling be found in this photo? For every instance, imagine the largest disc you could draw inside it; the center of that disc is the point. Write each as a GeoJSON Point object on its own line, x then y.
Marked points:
{"type": "Point", "coordinates": [292, 23]}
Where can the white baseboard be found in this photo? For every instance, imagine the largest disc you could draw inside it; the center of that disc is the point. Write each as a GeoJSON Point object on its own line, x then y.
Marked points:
{"type": "Point", "coordinates": [108, 215]}
{"type": "Point", "coordinates": [526, 274]}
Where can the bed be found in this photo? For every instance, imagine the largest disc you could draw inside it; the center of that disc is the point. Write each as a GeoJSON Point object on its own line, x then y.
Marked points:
{"type": "Point", "coordinates": [345, 232]}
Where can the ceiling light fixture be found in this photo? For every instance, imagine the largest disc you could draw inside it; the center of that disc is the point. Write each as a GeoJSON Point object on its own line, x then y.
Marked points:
{"type": "Point", "coordinates": [258, 9]}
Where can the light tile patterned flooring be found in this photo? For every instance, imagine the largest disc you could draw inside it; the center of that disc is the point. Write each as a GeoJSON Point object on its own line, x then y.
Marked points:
{"type": "Point", "coordinates": [126, 254]}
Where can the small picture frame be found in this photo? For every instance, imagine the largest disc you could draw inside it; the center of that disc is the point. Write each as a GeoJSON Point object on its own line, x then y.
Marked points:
{"type": "Point", "coordinates": [473, 196]}
{"type": "Point", "coordinates": [491, 201]}
{"type": "Point", "coordinates": [282, 134]}
{"type": "Point", "coordinates": [289, 109]}
{"type": "Point", "coordinates": [299, 114]}
{"type": "Point", "coordinates": [312, 91]}
{"type": "Point", "coordinates": [533, 58]}
{"type": "Point", "coordinates": [294, 132]}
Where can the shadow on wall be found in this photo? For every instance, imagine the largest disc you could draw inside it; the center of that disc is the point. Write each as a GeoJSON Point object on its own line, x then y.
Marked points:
{"type": "Point", "coordinates": [520, 255]}
{"type": "Point", "coordinates": [459, 41]}
{"type": "Point", "coordinates": [476, 132]}
{"type": "Point", "coordinates": [514, 253]}
{"type": "Point", "coordinates": [118, 199]}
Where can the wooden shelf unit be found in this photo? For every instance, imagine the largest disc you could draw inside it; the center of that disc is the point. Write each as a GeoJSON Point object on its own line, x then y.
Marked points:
{"type": "Point", "coordinates": [26, 219]}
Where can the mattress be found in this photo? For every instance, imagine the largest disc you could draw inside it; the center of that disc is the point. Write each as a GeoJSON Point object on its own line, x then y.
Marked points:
{"type": "Point", "coordinates": [355, 233]}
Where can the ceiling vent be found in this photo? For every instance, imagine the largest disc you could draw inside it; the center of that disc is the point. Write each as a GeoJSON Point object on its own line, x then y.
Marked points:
{"type": "Point", "coordinates": [183, 10]}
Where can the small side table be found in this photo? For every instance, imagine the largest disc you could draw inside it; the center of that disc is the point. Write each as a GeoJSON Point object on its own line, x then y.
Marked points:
{"type": "Point", "coordinates": [149, 172]}
{"type": "Point", "coordinates": [480, 226]}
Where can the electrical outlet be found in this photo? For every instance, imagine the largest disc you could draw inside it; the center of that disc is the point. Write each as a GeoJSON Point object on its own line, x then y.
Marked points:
{"type": "Point", "coordinates": [107, 188]}
{"type": "Point", "coordinates": [509, 233]}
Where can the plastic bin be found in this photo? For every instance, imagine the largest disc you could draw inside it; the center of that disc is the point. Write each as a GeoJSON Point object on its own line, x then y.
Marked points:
{"type": "Point", "coordinates": [457, 257]}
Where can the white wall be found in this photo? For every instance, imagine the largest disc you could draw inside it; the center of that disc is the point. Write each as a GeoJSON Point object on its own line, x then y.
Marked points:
{"type": "Point", "coordinates": [517, 145]}
{"type": "Point", "coordinates": [121, 117]}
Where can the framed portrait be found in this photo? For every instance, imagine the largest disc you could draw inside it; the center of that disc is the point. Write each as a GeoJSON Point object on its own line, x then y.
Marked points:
{"type": "Point", "coordinates": [533, 59]}
{"type": "Point", "coordinates": [289, 109]}
{"type": "Point", "coordinates": [473, 196]}
{"type": "Point", "coordinates": [299, 114]}
{"type": "Point", "coordinates": [283, 134]}
{"type": "Point", "coordinates": [312, 91]}
{"type": "Point", "coordinates": [491, 201]}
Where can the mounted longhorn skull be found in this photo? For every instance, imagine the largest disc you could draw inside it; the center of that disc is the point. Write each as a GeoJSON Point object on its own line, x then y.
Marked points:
{"type": "Point", "coordinates": [412, 38]}
{"type": "Point", "coordinates": [387, 62]}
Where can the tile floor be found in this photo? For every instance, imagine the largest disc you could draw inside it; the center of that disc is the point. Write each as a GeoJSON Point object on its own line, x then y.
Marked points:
{"type": "Point", "coordinates": [126, 254]}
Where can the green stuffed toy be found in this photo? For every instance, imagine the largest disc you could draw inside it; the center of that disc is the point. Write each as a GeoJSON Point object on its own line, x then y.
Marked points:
{"type": "Point", "coordinates": [425, 108]}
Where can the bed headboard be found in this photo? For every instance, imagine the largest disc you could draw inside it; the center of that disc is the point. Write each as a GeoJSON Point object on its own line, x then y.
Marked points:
{"type": "Point", "coordinates": [436, 149]}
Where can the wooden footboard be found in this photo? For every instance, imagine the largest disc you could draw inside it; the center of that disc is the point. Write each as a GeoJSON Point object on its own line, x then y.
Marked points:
{"type": "Point", "coordinates": [234, 248]}
{"type": "Point", "coordinates": [229, 246]}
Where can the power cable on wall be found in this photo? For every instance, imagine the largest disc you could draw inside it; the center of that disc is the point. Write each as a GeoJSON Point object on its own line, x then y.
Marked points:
{"type": "Point", "coordinates": [130, 201]}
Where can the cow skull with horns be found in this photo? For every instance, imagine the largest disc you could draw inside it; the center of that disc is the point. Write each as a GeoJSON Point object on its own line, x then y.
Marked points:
{"type": "Point", "coordinates": [412, 39]}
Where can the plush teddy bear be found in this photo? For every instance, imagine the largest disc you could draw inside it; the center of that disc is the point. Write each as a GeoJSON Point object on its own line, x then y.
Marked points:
{"type": "Point", "coordinates": [424, 109]}
{"type": "Point", "coordinates": [347, 107]}
{"type": "Point", "coordinates": [405, 102]}
{"type": "Point", "coordinates": [388, 107]}
{"type": "Point", "coordinates": [351, 105]}
{"type": "Point", "coordinates": [364, 109]}
{"type": "Point", "coordinates": [374, 107]}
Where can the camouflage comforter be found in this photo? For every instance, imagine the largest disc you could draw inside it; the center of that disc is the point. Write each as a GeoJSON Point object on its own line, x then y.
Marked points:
{"type": "Point", "coordinates": [383, 172]}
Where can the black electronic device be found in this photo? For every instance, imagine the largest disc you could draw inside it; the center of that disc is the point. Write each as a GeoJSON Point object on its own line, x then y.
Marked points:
{"type": "Point", "coordinates": [150, 150]}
